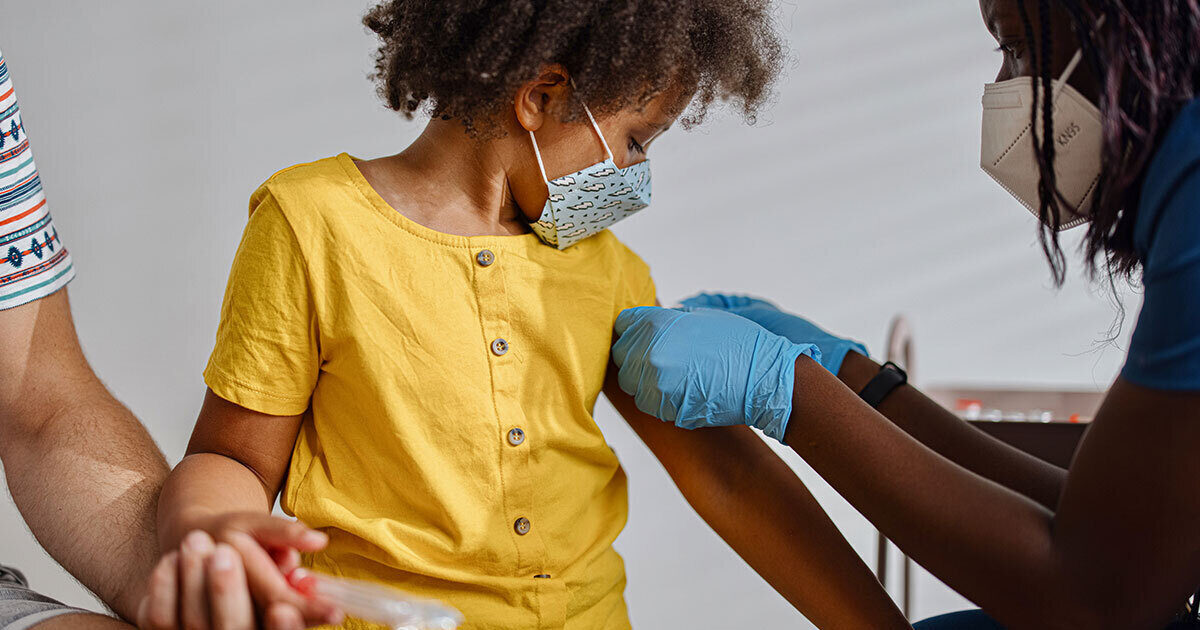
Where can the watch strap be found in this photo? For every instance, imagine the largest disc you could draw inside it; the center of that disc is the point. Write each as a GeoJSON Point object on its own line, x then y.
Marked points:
{"type": "Point", "coordinates": [889, 377]}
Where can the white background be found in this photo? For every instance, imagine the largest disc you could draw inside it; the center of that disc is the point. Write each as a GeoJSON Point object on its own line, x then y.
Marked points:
{"type": "Point", "coordinates": [856, 196]}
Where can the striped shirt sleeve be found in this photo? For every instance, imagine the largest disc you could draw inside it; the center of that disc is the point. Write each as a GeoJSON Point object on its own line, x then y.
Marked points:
{"type": "Point", "coordinates": [33, 261]}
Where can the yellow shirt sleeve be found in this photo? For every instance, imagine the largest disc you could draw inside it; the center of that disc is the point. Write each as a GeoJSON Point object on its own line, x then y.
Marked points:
{"type": "Point", "coordinates": [637, 283]}
{"type": "Point", "coordinates": [266, 356]}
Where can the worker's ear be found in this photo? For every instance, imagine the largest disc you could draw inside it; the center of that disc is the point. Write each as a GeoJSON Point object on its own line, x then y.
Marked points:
{"type": "Point", "coordinates": [541, 97]}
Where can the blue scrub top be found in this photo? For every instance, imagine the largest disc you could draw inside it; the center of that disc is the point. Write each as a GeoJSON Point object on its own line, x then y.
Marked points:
{"type": "Point", "coordinates": [1165, 351]}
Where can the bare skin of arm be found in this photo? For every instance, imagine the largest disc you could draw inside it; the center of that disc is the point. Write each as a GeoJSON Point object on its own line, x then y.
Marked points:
{"type": "Point", "coordinates": [225, 486]}
{"type": "Point", "coordinates": [958, 441]}
{"type": "Point", "coordinates": [751, 498]}
{"type": "Point", "coordinates": [83, 471]}
{"type": "Point", "coordinates": [1122, 550]}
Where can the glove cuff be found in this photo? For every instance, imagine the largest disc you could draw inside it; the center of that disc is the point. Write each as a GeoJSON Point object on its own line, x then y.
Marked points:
{"type": "Point", "coordinates": [837, 355]}
{"type": "Point", "coordinates": [772, 404]}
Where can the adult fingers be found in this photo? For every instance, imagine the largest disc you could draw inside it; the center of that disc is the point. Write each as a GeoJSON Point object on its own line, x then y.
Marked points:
{"type": "Point", "coordinates": [269, 586]}
{"type": "Point", "coordinates": [631, 316]}
{"type": "Point", "coordinates": [286, 559]}
{"type": "Point", "coordinates": [228, 594]}
{"type": "Point", "coordinates": [275, 532]}
{"type": "Point", "coordinates": [197, 546]}
{"type": "Point", "coordinates": [158, 610]}
{"type": "Point", "coordinates": [709, 300]}
{"type": "Point", "coordinates": [725, 301]}
{"type": "Point", "coordinates": [280, 616]}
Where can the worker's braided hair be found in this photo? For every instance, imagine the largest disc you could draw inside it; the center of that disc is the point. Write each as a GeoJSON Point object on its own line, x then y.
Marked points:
{"type": "Point", "coordinates": [1146, 58]}
{"type": "Point", "coordinates": [465, 59]}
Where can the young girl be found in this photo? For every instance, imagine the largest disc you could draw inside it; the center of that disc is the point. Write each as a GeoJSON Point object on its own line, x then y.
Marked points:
{"type": "Point", "coordinates": [411, 347]}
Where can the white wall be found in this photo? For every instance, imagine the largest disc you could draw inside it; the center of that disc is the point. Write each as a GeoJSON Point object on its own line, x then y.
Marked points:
{"type": "Point", "coordinates": [858, 195]}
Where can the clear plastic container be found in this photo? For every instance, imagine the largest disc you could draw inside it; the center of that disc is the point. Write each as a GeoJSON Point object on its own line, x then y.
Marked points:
{"type": "Point", "coordinates": [377, 603]}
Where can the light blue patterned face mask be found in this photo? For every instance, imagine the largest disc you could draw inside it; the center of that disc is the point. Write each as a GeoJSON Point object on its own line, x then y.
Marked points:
{"type": "Point", "coordinates": [586, 202]}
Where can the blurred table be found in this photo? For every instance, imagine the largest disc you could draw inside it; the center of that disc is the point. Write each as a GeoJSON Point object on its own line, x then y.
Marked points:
{"type": "Point", "coordinates": [1054, 442]}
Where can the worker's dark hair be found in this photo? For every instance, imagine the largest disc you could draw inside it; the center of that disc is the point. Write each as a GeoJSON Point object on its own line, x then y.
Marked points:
{"type": "Point", "coordinates": [464, 59]}
{"type": "Point", "coordinates": [1146, 59]}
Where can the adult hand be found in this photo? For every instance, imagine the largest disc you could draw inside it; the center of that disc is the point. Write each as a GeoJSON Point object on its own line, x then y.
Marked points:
{"type": "Point", "coordinates": [704, 367]}
{"type": "Point", "coordinates": [794, 327]}
{"type": "Point", "coordinates": [235, 580]}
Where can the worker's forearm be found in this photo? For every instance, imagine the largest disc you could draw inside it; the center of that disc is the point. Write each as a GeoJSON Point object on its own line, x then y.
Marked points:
{"type": "Point", "coordinates": [86, 478]}
{"type": "Point", "coordinates": [203, 486]}
{"type": "Point", "coordinates": [990, 543]}
{"type": "Point", "coordinates": [958, 441]}
{"type": "Point", "coordinates": [758, 505]}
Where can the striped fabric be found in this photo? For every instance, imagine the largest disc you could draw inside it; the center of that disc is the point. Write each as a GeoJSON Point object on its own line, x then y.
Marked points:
{"type": "Point", "coordinates": [33, 261]}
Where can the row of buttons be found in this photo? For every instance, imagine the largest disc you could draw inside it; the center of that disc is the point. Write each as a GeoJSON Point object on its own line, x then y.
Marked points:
{"type": "Point", "coordinates": [516, 435]}
{"type": "Point", "coordinates": [485, 258]}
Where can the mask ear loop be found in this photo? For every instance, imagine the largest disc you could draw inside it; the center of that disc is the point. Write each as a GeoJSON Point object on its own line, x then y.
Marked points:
{"type": "Point", "coordinates": [1067, 72]}
{"type": "Point", "coordinates": [595, 127]}
{"type": "Point", "coordinates": [1074, 63]}
{"type": "Point", "coordinates": [538, 155]}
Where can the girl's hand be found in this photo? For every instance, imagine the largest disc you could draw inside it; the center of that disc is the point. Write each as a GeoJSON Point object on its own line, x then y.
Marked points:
{"type": "Point", "coordinates": [232, 572]}
{"type": "Point", "coordinates": [704, 367]}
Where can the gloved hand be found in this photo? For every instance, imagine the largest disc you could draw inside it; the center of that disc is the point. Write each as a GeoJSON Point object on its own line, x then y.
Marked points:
{"type": "Point", "coordinates": [705, 368]}
{"type": "Point", "coordinates": [794, 327]}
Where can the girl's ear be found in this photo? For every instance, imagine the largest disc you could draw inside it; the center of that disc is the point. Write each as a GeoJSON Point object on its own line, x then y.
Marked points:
{"type": "Point", "coordinates": [544, 95]}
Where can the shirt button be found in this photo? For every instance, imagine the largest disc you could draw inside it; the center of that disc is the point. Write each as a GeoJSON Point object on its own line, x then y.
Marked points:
{"type": "Point", "coordinates": [499, 347]}
{"type": "Point", "coordinates": [521, 526]}
{"type": "Point", "coordinates": [485, 258]}
{"type": "Point", "coordinates": [516, 436]}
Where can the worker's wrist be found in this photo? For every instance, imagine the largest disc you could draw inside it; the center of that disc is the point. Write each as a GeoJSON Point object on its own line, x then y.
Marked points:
{"type": "Point", "coordinates": [857, 370]}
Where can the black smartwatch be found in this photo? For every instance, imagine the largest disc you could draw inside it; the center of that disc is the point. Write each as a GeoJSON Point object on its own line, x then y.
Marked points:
{"type": "Point", "coordinates": [890, 377]}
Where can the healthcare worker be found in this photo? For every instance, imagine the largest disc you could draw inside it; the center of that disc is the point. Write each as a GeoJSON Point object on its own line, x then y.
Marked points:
{"type": "Point", "coordinates": [1112, 542]}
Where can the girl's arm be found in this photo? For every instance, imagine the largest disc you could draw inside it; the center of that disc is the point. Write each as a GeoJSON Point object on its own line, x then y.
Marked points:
{"type": "Point", "coordinates": [1121, 551]}
{"type": "Point", "coordinates": [226, 486]}
{"type": "Point", "coordinates": [236, 461]}
{"type": "Point", "coordinates": [752, 499]}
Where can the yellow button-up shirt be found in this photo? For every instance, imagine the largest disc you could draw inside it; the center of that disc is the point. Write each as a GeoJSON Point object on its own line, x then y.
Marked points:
{"type": "Point", "coordinates": [447, 384]}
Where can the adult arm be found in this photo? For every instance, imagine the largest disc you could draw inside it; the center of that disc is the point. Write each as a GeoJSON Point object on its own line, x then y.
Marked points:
{"type": "Point", "coordinates": [955, 439]}
{"type": "Point", "coordinates": [82, 470]}
{"type": "Point", "coordinates": [1122, 550]}
{"type": "Point", "coordinates": [751, 498]}
{"type": "Point", "coordinates": [908, 408]}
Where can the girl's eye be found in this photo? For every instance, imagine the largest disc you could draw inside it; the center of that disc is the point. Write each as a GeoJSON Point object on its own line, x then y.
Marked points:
{"type": "Point", "coordinates": [633, 145]}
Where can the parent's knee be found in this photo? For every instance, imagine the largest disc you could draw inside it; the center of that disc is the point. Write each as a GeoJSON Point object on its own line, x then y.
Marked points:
{"type": "Point", "coordinates": [82, 621]}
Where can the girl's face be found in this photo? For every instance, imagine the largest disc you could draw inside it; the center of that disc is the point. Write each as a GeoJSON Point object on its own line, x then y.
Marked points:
{"type": "Point", "coordinates": [569, 147]}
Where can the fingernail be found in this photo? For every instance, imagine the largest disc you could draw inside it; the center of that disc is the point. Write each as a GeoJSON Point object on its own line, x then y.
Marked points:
{"type": "Point", "coordinates": [315, 538]}
{"type": "Point", "coordinates": [198, 542]}
{"type": "Point", "coordinates": [222, 559]}
{"type": "Point", "coordinates": [334, 617]}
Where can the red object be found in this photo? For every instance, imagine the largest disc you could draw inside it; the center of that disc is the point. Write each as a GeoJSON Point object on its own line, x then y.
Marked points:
{"type": "Point", "coordinates": [302, 581]}
{"type": "Point", "coordinates": [1074, 418]}
{"type": "Point", "coordinates": [963, 404]}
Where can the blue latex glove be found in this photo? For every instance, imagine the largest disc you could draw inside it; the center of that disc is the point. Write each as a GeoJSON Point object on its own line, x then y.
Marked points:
{"type": "Point", "coordinates": [706, 368]}
{"type": "Point", "coordinates": [794, 327]}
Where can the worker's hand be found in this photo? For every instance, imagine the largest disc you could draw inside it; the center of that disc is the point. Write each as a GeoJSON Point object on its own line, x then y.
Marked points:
{"type": "Point", "coordinates": [705, 367]}
{"type": "Point", "coordinates": [796, 328]}
{"type": "Point", "coordinates": [231, 574]}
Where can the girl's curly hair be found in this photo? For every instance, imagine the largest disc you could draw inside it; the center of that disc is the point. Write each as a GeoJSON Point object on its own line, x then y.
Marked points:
{"type": "Point", "coordinates": [464, 59]}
